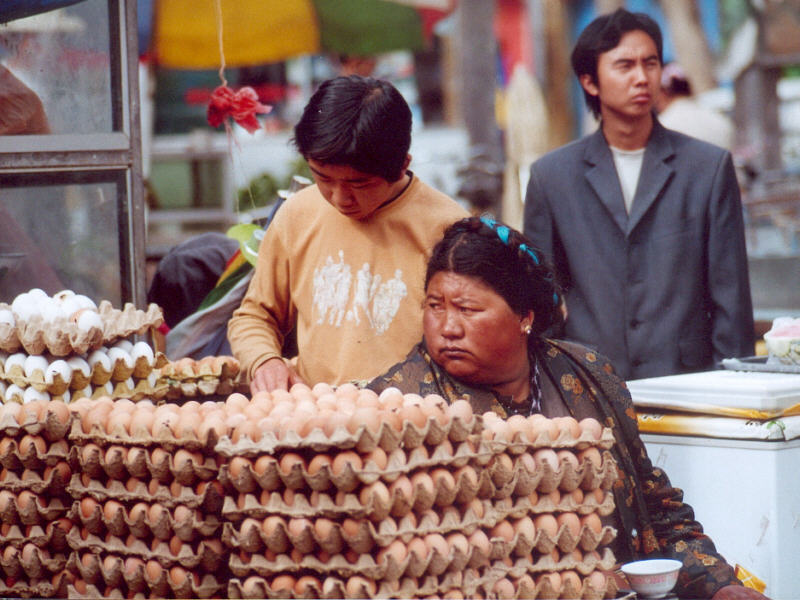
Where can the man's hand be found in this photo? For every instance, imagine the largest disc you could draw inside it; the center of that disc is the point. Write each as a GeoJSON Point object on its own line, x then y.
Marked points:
{"type": "Point", "coordinates": [274, 374]}
{"type": "Point", "coordinates": [737, 592]}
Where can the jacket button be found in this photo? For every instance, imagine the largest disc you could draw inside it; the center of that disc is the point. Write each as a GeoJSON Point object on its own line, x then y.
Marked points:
{"type": "Point", "coordinates": [634, 323]}
{"type": "Point", "coordinates": [636, 362]}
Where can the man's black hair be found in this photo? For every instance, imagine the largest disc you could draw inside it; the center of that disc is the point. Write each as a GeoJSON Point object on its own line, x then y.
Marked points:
{"type": "Point", "coordinates": [603, 34]}
{"type": "Point", "coordinates": [360, 122]}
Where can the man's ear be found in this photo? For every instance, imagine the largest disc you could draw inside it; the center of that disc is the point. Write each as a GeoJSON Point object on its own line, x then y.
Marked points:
{"type": "Point", "coordinates": [588, 84]}
{"type": "Point", "coordinates": [407, 162]}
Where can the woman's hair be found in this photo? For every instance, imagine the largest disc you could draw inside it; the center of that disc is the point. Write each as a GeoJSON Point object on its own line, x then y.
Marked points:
{"type": "Point", "coordinates": [360, 122]}
{"type": "Point", "coordinates": [603, 34]}
{"type": "Point", "coordinates": [507, 262]}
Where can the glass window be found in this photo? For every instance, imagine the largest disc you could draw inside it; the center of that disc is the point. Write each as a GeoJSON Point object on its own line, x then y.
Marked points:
{"type": "Point", "coordinates": [56, 70]}
{"type": "Point", "coordinates": [62, 232]}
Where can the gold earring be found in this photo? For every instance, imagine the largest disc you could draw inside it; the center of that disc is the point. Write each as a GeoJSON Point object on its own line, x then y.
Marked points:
{"type": "Point", "coordinates": [527, 329]}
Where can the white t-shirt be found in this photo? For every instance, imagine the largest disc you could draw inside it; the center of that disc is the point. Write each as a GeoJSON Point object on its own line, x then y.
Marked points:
{"type": "Point", "coordinates": [629, 165]}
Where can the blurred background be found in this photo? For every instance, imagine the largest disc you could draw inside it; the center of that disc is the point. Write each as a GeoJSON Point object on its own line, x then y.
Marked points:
{"type": "Point", "coordinates": [488, 81]}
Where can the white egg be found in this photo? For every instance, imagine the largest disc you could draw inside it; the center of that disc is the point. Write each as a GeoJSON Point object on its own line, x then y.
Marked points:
{"type": "Point", "coordinates": [78, 363]}
{"type": "Point", "coordinates": [124, 344]}
{"type": "Point", "coordinates": [39, 294]}
{"type": "Point", "coordinates": [52, 312]}
{"type": "Point", "coordinates": [69, 305]}
{"type": "Point", "coordinates": [85, 302]}
{"type": "Point", "coordinates": [24, 307]}
{"type": "Point", "coordinates": [116, 354]}
{"type": "Point", "coordinates": [13, 393]}
{"type": "Point", "coordinates": [143, 349]}
{"type": "Point", "coordinates": [85, 392]}
{"type": "Point", "coordinates": [99, 357]}
{"type": "Point", "coordinates": [3, 358]}
{"type": "Point", "coordinates": [63, 294]}
{"type": "Point", "coordinates": [7, 317]}
{"type": "Point", "coordinates": [16, 359]}
{"type": "Point", "coordinates": [130, 383]}
{"type": "Point", "coordinates": [89, 319]}
{"type": "Point", "coordinates": [31, 393]}
{"type": "Point", "coordinates": [152, 378]}
{"type": "Point", "coordinates": [34, 363]}
{"type": "Point", "coordinates": [108, 388]}
{"type": "Point", "coordinates": [3, 387]}
{"type": "Point", "coordinates": [66, 397]}
{"type": "Point", "coordinates": [58, 367]}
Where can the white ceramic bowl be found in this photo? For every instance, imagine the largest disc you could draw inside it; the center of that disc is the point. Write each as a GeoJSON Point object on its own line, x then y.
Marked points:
{"type": "Point", "coordinates": [652, 578]}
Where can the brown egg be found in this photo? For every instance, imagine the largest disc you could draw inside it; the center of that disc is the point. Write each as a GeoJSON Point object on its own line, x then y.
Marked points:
{"type": "Point", "coordinates": [272, 524]}
{"type": "Point", "coordinates": [442, 478]}
{"type": "Point", "coordinates": [110, 509]}
{"type": "Point", "coordinates": [546, 523]}
{"type": "Point", "coordinates": [391, 398]}
{"type": "Point", "coordinates": [59, 410]}
{"type": "Point", "coordinates": [544, 456]}
{"type": "Point", "coordinates": [141, 423]}
{"type": "Point", "coordinates": [419, 547]}
{"type": "Point", "coordinates": [283, 583]}
{"type": "Point", "coordinates": [593, 522]}
{"type": "Point", "coordinates": [297, 526]}
{"type": "Point", "coordinates": [591, 428]}
{"type": "Point", "coordinates": [518, 426]}
{"type": "Point", "coordinates": [571, 521]}
{"type": "Point", "coordinates": [480, 541]}
{"type": "Point", "coordinates": [461, 410]}
{"type": "Point", "coordinates": [32, 445]}
{"type": "Point", "coordinates": [477, 507]}
{"type": "Point", "coordinates": [265, 462]}
{"type": "Point", "coordinates": [306, 584]}
{"type": "Point", "coordinates": [364, 416]}
{"type": "Point", "coordinates": [185, 459]}
{"type": "Point", "coordinates": [239, 465]}
{"type": "Point", "coordinates": [553, 578]}
{"type": "Point", "coordinates": [377, 493]}
{"type": "Point", "coordinates": [88, 505]}
{"type": "Point", "coordinates": [360, 587]}
{"type": "Point", "coordinates": [396, 550]}
{"type": "Point", "coordinates": [591, 455]}
{"type": "Point", "coordinates": [436, 543]}
{"type": "Point", "coordinates": [165, 424]}
{"type": "Point", "coordinates": [504, 589]}
{"type": "Point", "coordinates": [596, 581]}
{"type": "Point", "coordinates": [211, 425]}
{"type": "Point", "coordinates": [60, 470]}
{"type": "Point", "coordinates": [542, 426]}
{"type": "Point", "coordinates": [366, 397]}
{"type": "Point", "coordinates": [524, 527]}
{"type": "Point", "coordinates": [177, 575]}
{"type": "Point", "coordinates": [565, 456]}
{"type": "Point", "coordinates": [288, 462]}
{"type": "Point", "coordinates": [138, 511]}
{"type": "Point", "coordinates": [175, 545]}
{"type": "Point", "coordinates": [414, 414]}
{"type": "Point", "coordinates": [343, 459]}
{"type": "Point", "coordinates": [503, 530]}
{"type": "Point", "coordinates": [7, 500]}
{"type": "Point", "coordinates": [236, 402]}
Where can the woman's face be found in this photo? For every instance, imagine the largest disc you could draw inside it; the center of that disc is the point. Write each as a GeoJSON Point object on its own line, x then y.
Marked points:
{"type": "Point", "coordinates": [471, 331]}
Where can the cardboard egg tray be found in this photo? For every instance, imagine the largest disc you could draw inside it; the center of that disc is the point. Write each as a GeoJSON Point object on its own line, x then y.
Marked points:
{"type": "Point", "coordinates": [63, 336]}
{"type": "Point", "coordinates": [590, 562]}
{"type": "Point", "coordinates": [52, 536]}
{"type": "Point", "coordinates": [208, 376]}
{"type": "Point", "coordinates": [119, 462]}
{"type": "Point", "coordinates": [337, 587]}
{"type": "Point", "coordinates": [55, 587]}
{"type": "Point", "coordinates": [533, 504]}
{"type": "Point", "coordinates": [78, 373]}
{"type": "Point", "coordinates": [526, 587]}
{"type": "Point", "coordinates": [17, 420]}
{"type": "Point", "coordinates": [206, 586]}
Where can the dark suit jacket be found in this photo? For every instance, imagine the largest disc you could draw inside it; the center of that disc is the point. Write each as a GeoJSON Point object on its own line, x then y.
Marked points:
{"type": "Point", "coordinates": [660, 291]}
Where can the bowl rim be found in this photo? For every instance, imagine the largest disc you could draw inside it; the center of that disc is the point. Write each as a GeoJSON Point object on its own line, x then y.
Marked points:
{"type": "Point", "coordinates": [651, 566]}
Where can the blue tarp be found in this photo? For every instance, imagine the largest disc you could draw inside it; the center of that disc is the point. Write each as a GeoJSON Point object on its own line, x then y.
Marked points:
{"type": "Point", "coordinates": [10, 10]}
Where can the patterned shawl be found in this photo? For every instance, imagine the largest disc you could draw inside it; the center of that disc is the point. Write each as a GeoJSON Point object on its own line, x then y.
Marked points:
{"type": "Point", "coordinates": [654, 519]}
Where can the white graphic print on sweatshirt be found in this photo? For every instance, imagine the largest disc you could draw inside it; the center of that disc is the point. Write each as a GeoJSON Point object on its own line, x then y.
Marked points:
{"type": "Point", "coordinates": [378, 301]}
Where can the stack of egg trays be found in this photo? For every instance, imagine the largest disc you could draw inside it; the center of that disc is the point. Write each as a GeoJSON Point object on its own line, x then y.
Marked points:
{"type": "Point", "coordinates": [121, 370]}
{"type": "Point", "coordinates": [33, 499]}
{"type": "Point", "coordinates": [273, 517]}
{"type": "Point", "coordinates": [522, 490]}
{"type": "Point", "coordinates": [147, 514]}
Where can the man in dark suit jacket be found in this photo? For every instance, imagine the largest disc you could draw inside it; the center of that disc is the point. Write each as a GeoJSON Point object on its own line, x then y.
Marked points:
{"type": "Point", "coordinates": [643, 224]}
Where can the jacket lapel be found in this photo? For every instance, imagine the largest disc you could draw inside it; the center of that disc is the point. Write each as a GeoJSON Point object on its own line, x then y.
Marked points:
{"type": "Point", "coordinates": [602, 177]}
{"type": "Point", "coordinates": [656, 173]}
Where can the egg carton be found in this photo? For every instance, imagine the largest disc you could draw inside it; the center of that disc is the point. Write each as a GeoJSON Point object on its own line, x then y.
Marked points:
{"type": "Point", "coordinates": [191, 586]}
{"type": "Point", "coordinates": [31, 452]}
{"type": "Point", "coordinates": [440, 485]}
{"type": "Point", "coordinates": [31, 563]}
{"type": "Point", "coordinates": [333, 587]}
{"type": "Point", "coordinates": [81, 333]}
{"type": "Point", "coordinates": [56, 587]}
{"type": "Point", "coordinates": [597, 501]}
{"type": "Point", "coordinates": [52, 536]}
{"type": "Point", "coordinates": [206, 496]}
{"type": "Point", "coordinates": [50, 419]}
{"type": "Point", "coordinates": [124, 521]}
{"type": "Point", "coordinates": [375, 502]}
{"type": "Point", "coordinates": [31, 509]}
{"type": "Point", "coordinates": [519, 481]}
{"type": "Point", "coordinates": [526, 587]}
{"type": "Point", "coordinates": [361, 564]}
{"type": "Point", "coordinates": [88, 431]}
{"type": "Point", "coordinates": [519, 545]}
{"type": "Point", "coordinates": [601, 559]}
{"type": "Point", "coordinates": [207, 376]}
{"type": "Point", "coordinates": [116, 461]}
{"type": "Point", "coordinates": [206, 555]}
{"type": "Point", "coordinates": [364, 440]}
{"type": "Point", "coordinates": [56, 375]}
{"type": "Point", "coordinates": [518, 443]}
{"type": "Point", "coordinates": [51, 482]}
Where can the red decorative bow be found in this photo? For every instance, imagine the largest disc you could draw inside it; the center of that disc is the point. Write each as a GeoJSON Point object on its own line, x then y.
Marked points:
{"type": "Point", "coordinates": [241, 106]}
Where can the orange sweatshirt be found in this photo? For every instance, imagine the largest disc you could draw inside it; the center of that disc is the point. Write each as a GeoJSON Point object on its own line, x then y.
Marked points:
{"type": "Point", "coordinates": [354, 288]}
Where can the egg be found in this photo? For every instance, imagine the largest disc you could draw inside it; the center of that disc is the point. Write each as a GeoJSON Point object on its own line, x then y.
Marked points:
{"type": "Point", "coordinates": [591, 428]}
{"type": "Point", "coordinates": [545, 456]}
{"type": "Point", "coordinates": [396, 551]}
{"type": "Point", "coordinates": [571, 521]}
{"type": "Point", "coordinates": [88, 320]}
{"type": "Point", "coordinates": [525, 527]}
{"type": "Point", "coordinates": [546, 523]}
{"type": "Point", "coordinates": [34, 363]}
{"type": "Point", "coordinates": [568, 426]}
{"type": "Point", "coordinates": [591, 455]}
{"type": "Point", "coordinates": [596, 580]}
{"type": "Point", "coordinates": [343, 459]}
{"type": "Point", "coordinates": [542, 426]}
{"type": "Point", "coordinates": [552, 578]}
{"type": "Point", "coordinates": [567, 457]}
{"type": "Point", "coordinates": [593, 522]}
{"type": "Point", "coordinates": [503, 530]}
{"type": "Point", "coordinates": [288, 462]}
{"type": "Point", "coordinates": [7, 317]}
{"type": "Point", "coordinates": [31, 394]}
{"type": "Point", "coordinates": [480, 542]}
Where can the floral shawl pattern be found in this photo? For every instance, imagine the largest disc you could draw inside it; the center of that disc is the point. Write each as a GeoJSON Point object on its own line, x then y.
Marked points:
{"type": "Point", "coordinates": [654, 519]}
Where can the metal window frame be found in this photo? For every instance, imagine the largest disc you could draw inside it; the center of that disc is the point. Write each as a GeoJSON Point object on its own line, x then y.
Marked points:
{"type": "Point", "coordinates": [119, 151]}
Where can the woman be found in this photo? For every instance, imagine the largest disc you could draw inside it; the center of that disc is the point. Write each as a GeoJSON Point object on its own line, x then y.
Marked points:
{"type": "Point", "coordinates": [489, 303]}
